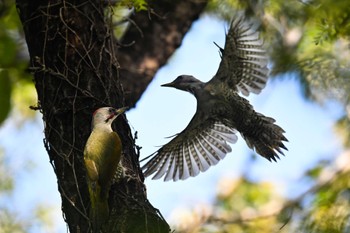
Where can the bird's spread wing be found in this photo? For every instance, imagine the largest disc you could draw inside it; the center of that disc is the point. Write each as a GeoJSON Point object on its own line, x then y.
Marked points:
{"type": "Point", "coordinates": [243, 64]}
{"type": "Point", "coordinates": [195, 149]}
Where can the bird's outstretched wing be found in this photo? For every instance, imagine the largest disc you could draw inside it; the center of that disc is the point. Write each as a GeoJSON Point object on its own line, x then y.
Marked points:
{"type": "Point", "coordinates": [193, 150]}
{"type": "Point", "coordinates": [243, 64]}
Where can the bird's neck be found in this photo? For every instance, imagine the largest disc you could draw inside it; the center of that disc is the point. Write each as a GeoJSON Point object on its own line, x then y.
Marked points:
{"type": "Point", "coordinates": [195, 88]}
{"type": "Point", "coordinates": [102, 127]}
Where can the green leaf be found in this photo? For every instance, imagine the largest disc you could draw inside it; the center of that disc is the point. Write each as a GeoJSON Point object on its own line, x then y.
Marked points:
{"type": "Point", "coordinates": [7, 49]}
{"type": "Point", "coordinates": [5, 94]}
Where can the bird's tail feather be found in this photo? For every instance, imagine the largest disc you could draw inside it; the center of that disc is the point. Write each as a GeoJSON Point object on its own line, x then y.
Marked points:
{"type": "Point", "coordinates": [266, 138]}
{"type": "Point", "coordinates": [99, 210]}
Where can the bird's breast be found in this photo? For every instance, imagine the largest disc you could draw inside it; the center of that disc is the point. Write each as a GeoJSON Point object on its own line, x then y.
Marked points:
{"type": "Point", "coordinates": [103, 144]}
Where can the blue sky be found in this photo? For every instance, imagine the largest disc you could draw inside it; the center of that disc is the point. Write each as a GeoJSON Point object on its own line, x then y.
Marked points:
{"type": "Point", "coordinates": [163, 112]}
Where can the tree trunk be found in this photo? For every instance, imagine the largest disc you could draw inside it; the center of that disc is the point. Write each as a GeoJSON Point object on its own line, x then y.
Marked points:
{"type": "Point", "coordinates": [74, 61]}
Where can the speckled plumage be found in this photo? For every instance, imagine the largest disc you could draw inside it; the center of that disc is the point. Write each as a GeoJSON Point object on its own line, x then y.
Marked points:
{"type": "Point", "coordinates": [221, 111]}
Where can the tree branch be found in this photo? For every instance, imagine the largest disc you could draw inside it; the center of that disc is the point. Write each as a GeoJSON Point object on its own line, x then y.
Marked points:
{"type": "Point", "coordinates": [154, 36]}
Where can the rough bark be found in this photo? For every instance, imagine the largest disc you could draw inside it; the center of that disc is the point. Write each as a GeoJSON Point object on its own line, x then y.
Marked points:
{"type": "Point", "coordinates": [160, 31]}
{"type": "Point", "coordinates": [72, 56]}
{"type": "Point", "coordinates": [75, 72]}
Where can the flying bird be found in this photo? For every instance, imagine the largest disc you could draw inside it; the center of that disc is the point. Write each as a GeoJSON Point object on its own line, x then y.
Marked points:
{"type": "Point", "coordinates": [221, 111]}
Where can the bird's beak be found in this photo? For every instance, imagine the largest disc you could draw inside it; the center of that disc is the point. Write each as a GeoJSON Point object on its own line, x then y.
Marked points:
{"type": "Point", "coordinates": [120, 110]}
{"type": "Point", "coordinates": [172, 84]}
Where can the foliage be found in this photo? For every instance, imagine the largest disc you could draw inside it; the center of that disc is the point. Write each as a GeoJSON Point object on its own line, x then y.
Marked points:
{"type": "Point", "coordinates": [329, 210]}
{"type": "Point", "coordinates": [16, 89]}
{"type": "Point", "coordinates": [311, 40]}
{"type": "Point", "coordinates": [6, 180]}
{"type": "Point", "coordinates": [12, 219]}
{"type": "Point", "coordinates": [8, 221]}
{"type": "Point", "coordinates": [342, 128]}
{"type": "Point", "coordinates": [245, 206]}
{"type": "Point", "coordinates": [308, 38]}
{"type": "Point", "coordinates": [241, 206]}
{"type": "Point", "coordinates": [5, 90]}
{"type": "Point", "coordinates": [9, 224]}
{"type": "Point", "coordinates": [138, 5]}
{"type": "Point", "coordinates": [240, 201]}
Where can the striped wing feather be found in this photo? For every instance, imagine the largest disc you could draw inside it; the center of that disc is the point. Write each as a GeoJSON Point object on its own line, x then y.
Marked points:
{"type": "Point", "coordinates": [243, 65]}
{"type": "Point", "coordinates": [188, 154]}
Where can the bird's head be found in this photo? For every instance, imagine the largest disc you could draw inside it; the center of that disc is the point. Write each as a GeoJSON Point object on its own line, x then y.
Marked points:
{"type": "Point", "coordinates": [185, 83]}
{"type": "Point", "coordinates": [106, 115]}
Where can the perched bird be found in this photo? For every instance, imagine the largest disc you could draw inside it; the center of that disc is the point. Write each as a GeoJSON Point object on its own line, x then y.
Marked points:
{"type": "Point", "coordinates": [102, 155]}
{"type": "Point", "coordinates": [221, 111]}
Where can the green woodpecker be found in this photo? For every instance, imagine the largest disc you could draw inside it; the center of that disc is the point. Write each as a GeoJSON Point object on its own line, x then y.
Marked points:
{"type": "Point", "coordinates": [221, 111]}
{"type": "Point", "coordinates": [102, 155]}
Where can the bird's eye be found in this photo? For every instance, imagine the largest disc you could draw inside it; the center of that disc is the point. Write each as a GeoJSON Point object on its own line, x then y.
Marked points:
{"type": "Point", "coordinates": [111, 110]}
